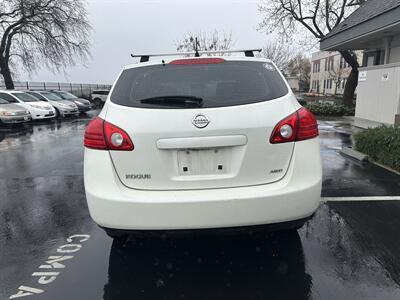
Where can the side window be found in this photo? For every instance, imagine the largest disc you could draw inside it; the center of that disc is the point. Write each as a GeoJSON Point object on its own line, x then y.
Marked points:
{"type": "Point", "coordinates": [8, 98]}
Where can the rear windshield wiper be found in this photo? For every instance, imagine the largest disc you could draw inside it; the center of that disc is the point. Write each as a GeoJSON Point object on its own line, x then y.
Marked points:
{"type": "Point", "coordinates": [185, 101]}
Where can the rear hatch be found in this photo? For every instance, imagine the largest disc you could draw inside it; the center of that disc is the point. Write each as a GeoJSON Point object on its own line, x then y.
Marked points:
{"type": "Point", "coordinates": [202, 125]}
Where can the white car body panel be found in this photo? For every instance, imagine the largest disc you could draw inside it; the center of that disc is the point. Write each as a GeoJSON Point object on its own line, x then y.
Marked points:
{"type": "Point", "coordinates": [113, 205]}
{"type": "Point", "coordinates": [250, 164]}
{"type": "Point", "coordinates": [263, 183]}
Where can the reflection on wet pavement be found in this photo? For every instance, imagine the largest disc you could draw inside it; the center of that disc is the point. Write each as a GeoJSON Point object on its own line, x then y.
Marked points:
{"type": "Point", "coordinates": [345, 177]}
{"type": "Point", "coordinates": [235, 267]}
{"type": "Point", "coordinates": [347, 251]}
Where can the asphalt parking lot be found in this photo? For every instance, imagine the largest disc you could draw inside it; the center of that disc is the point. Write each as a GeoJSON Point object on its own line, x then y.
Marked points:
{"type": "Point", "coordinates": [50, 248]}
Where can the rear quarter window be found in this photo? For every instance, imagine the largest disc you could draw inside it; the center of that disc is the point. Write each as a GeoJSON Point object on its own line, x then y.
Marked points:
{"type": "Point", "coordinates": [225, 84]}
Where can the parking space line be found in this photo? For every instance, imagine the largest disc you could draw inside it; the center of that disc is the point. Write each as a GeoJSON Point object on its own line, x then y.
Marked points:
{"type": "Point", "coordinates": [370, 198]}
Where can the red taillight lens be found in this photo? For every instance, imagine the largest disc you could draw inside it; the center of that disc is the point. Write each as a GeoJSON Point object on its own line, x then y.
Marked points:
{"type": "Point", "coordinates": [299, 126]}
{"type": "Point", "coordinates": [308, 127]}
{"type": "Point", "coordinates": [277, 136]}
{"type": "Point", "coordinates": [94, 135]}
{"type": "Point", "coordinates": [197, 61]}
{"type": "Point", "coordinates": [102, 135]}
{"type": "Point", "coordinates": [117, 139]}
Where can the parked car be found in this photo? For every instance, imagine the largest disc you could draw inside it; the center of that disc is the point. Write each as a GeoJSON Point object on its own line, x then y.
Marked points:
{"type": "Point", "coordinates": [83, 104]}
{"type": "Point", "coordinates": [11, 113]}
{"type": "Point", "coordinates": [39, 110]}
{"type": "Point", "coordinates": [202, 143]}
{"type": "Point", "coordinates": [99, 97]}
{"type": "Point", "coordinates": [63, 107]}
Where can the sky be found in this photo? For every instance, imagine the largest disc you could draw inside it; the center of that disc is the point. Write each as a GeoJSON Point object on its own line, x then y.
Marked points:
{"type": "Point", "coordinates": [123, 27]}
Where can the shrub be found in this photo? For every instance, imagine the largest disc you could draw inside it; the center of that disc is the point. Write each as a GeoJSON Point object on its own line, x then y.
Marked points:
{"type": "Point", "coordinates": [327, 109]}
{"type": "Point", "coordinates": [382, 144]}
{"type": "Point", "coordinates": [302, 102]}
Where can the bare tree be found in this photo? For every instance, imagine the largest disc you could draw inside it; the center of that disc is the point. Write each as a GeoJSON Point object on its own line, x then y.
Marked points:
{"type": "Point", "coordinates": [211, 41]}
{"type": "Point", "coordinates": [311, 19]}
{"type": "Point", "coordinates": [300, 67]}
{"type": "Point", "coordinates": [337, 74]}
{"type": "Point", "coordinates": [280, 53]}
{"type": "Point", "coordinates": [35, 33]}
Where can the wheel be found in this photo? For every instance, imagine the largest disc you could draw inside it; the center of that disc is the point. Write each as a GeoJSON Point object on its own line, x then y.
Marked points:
{"type": "Point", "coordinates": [98, 102]}
{"type": "Point", "coordinates": [58, 114]}
{"type": "Point", "coordinates": [116, 234]}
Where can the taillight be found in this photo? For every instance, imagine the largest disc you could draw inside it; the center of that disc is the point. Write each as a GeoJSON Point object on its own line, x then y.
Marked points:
{"type": "Point", "coordinates": [308, 127]}
{"type": "Point", "coordinates": [94, 135]}
{"type": "Point", "coordinates": [197, 61]}
{"type": "Point", "coordinates": [299, 126]}
{"type": "Point", "coordinates": [102, 135]}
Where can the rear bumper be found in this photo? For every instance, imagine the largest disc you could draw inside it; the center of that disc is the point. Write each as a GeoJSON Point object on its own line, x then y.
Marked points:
{"type": "Point", "coordinates": [15, 119]}
{"type": "Point", "coordinates": [113, 205]}
{"type": "Point", "coordinates": [66, 113]}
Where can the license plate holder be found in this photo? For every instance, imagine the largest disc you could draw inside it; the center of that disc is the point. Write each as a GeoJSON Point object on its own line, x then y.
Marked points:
{"type": "Point", "coordinates": [192, 162]}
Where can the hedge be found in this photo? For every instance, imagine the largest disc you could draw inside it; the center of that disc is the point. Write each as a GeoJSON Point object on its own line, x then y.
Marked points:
{"type": "Point", "coordinates": [327, 109]}
{"type": "Point", "coordinates": [382, 144]}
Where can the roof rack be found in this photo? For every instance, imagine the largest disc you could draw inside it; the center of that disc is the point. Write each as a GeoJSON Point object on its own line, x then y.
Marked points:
{"type": "Point", "coordinates": [146, 57]}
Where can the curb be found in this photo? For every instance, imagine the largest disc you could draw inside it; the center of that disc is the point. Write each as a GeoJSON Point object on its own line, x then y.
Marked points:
{"type": "Point", "coordinates": [360, 199]}
{"type": "Point", "coordinates": [385, 167]}
{"type": "Point", "coordinates": [354, 154]}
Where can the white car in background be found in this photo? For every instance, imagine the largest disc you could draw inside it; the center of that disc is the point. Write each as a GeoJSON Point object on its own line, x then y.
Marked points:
{"type": "Point", "coordinates": [38, 109]}
{"type": "Point", "coordinates": [204, 142]}
{"type": "Point", "coordinates": [99, 97]}
{"type": "Point", "coordinates": [11, 113]}
{"type": "Point", "coordinates": [64, 108]}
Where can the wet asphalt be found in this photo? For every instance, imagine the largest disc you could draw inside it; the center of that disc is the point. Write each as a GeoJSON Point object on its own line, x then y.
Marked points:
{"type": "Point", "coordinates": [349, 250]}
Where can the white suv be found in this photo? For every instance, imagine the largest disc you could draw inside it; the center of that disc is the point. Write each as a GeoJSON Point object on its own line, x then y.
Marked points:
{"type": "Point", "coordinates": [195, 143]}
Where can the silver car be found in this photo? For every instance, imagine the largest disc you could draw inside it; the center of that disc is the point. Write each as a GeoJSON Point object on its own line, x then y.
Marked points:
{"type": "Point", "coordinates": [83, 104]}
{"type": "Point", "coordinates": [63, 107]}
{"type": "Point", "coordinates": [11, 113]}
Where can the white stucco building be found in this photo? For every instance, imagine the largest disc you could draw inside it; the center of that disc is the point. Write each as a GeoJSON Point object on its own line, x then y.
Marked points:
{"type": "Point", "coordinates": [329, 72]}
{"type": "Point", "coordinates": [374, 28]}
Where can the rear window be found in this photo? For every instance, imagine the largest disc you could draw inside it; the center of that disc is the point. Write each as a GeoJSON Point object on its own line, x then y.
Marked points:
{"type": "Point", "coordinates": [37, 96]}
{"type": "Point", "coordinates": [224, 84]}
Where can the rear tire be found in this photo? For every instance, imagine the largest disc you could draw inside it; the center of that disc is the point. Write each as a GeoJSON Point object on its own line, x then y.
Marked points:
{"type": "Point", "coordinates": [116, 234]}
{"type": "Point", "coordinates": [98, 103]}
{"type": "Point", "coordinates": [58, 114]}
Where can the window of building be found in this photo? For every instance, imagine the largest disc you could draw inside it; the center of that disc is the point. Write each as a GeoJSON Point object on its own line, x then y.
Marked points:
{"type": "Point", "coordinates": [317, 67]}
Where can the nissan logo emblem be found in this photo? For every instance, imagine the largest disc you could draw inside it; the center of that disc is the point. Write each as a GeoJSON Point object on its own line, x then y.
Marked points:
{"type": "Point", "coordinates": [200, 121]}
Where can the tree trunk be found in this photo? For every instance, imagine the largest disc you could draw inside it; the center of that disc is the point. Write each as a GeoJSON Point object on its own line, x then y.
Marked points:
{"type": "Point", "coordinates": [349, 90]}
{"type": "Point", "coordinates": [5, 71]}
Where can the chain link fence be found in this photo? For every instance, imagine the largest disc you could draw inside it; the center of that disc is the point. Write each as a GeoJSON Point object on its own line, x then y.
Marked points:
{"type": "Point", "coordinates": [83, 90]}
